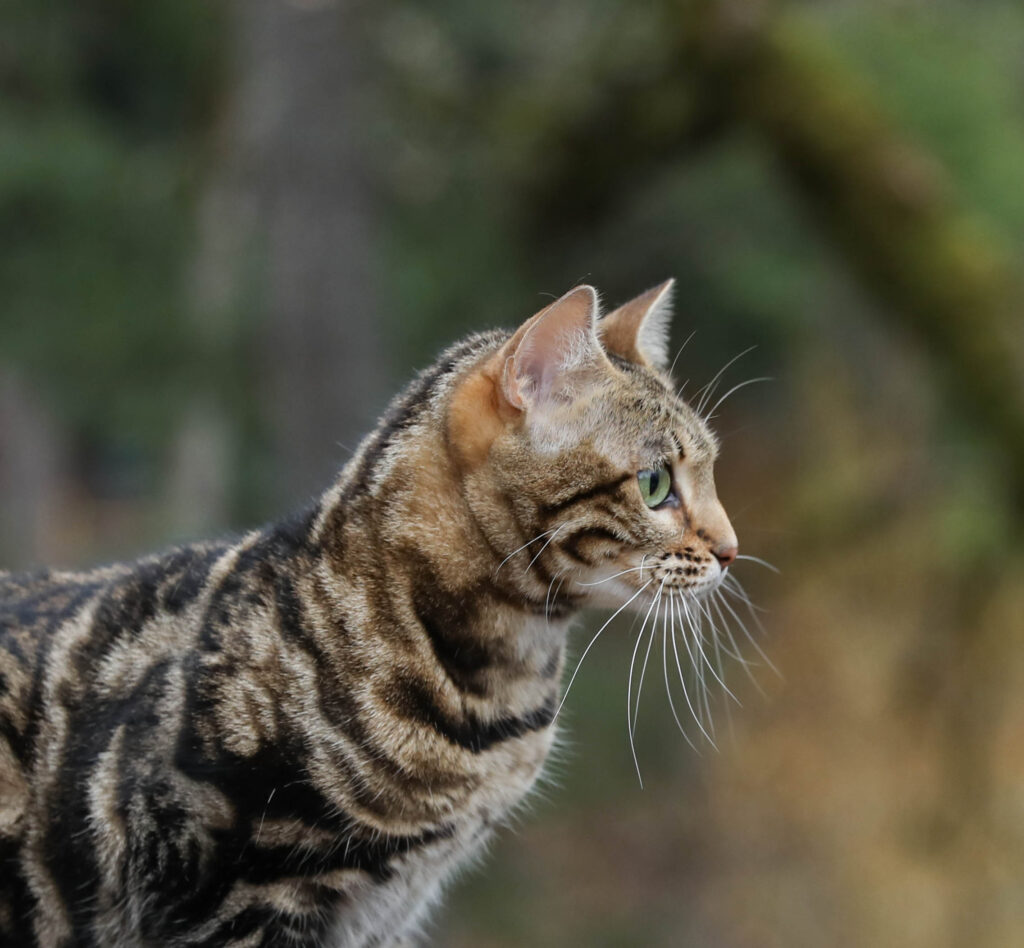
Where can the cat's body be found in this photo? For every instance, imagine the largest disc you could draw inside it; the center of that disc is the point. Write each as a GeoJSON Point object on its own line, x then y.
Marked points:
{"type": "Point", "coordinates": [294, 739]}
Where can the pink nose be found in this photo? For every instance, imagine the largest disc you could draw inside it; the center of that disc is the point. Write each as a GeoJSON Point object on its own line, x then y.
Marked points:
{"type": "Point", "coordinates": [726, 555]}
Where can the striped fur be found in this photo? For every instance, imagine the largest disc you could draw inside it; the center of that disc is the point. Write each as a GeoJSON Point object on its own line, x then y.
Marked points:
{"type": "Point", "coordinates": [295, 738]}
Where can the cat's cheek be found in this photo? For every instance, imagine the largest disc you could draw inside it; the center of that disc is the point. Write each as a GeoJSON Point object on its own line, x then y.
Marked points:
{"type": "Point", "coordinates": [617, 593]}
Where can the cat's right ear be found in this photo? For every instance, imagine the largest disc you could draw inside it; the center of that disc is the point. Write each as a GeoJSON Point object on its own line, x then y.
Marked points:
{"type": "Point", "coordinates": [552, 350]}
{"type": "Point", "coordinates": [639, 330]}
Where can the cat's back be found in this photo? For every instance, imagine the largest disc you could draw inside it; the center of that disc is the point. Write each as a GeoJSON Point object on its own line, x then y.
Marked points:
{"type": "Point", "coordinates": [34, 606]}
{"type": "Point", "coordinates": [85, 657]}
{"type": "Point", "coordinates": [60, 630]}
{"type": "Point", "coordinates": [38, 609]}
{"type": "Point", "coordinates": [34, 609]}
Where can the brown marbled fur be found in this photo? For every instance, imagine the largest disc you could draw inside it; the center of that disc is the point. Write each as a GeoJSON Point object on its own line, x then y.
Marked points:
{"type": "Point", "coordinates": [295, 738]}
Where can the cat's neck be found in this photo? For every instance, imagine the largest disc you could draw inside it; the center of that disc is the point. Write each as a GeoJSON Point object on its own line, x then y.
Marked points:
{"type": "Point", "coordinates": [415, 525]}
{"type": "Point", "coordinates": [414, 547]}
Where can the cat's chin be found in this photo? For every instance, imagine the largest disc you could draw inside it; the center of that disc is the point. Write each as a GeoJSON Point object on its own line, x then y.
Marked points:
{"type": "Point", "coordinates": [704, 587]}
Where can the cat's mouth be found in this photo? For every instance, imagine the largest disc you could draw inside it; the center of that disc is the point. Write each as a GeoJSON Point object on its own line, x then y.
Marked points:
{"type": "Point", "coordinates": [684, 571]}
{"type": "Point", "coordinates": [687, 590]}
{"type": "Point", "coordinates": [639, 587]}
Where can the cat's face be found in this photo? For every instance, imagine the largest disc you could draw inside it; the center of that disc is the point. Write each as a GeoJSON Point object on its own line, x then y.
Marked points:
{"type": "Point", "coordinates": [662, 518]}
{"type": "Point", "coordinates": [595, 456]}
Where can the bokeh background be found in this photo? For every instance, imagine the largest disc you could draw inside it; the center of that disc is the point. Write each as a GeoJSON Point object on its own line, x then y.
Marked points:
{"type": "Point", "coordinates": [229, 231]}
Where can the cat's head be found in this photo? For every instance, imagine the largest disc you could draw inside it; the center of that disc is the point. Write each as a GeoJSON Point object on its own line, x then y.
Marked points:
{"type": "Point", "coordinates": [573, 440]}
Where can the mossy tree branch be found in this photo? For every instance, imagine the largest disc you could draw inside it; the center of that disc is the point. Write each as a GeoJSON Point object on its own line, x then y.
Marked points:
{"type": "Point", "coordinates": [882, 199]}
{"type": "Point", "coordinates": [886, 204]}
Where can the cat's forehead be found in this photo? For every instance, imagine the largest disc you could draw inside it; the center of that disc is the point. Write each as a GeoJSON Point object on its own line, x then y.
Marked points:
{"type": "Point", "coordinates": [643, 420]}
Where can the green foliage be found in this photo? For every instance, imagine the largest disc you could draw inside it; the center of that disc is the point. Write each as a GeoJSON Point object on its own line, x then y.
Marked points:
{"type": "Point", "coordinates": [90, 244]}
{"type": "Point", "coordinates": [951, 78]}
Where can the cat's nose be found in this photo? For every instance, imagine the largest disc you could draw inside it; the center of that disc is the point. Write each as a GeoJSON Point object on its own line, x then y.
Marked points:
{"type": "Point", "coordinates": [726, 555]}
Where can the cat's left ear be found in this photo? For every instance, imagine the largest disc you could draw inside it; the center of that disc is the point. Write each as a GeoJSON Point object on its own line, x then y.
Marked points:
{"type": "Point", "coordinates": [553, 351]}
{"type": "Point", "coordinates": [639, 330]}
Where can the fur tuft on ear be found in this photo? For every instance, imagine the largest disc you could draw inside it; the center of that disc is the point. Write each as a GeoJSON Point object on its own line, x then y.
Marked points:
{"type": "Point", "coordinates": [550, 348]}
{"type": "Point", "coordinates": [639, 330]}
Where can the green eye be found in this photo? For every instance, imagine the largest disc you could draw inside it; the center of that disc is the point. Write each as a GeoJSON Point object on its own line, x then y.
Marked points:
{"type": "Point", "coordinates": [655, 486]}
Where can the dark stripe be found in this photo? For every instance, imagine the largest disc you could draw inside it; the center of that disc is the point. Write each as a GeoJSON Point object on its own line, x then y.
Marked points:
{"type": "Point", "coordinates": [17, 898]}
{"type": "Point", "coordinates": [334, 694]}
{"type": "Point", "coordinates": [42, 609]}
{"type": "Point", "coordinates": [268, 580]}
{"type": "Point", "coordinates": [616, 515]}
{"type": "Point", "coordinates": [69, 845]}
{"type": "Point", "coordinates": [596, 490]}
{"type": "Point", "coordinates": [292, 623]}
{"type": "Point", "coordinates": [185, 573]}
{"type": "Point", "coordinates": [170, 582]}
{"type": "Point", "coordinates": [465, 659]}
{"type": "Point", "coordinates": [25, 746]}
{"type": "Point", "coordinates": [280, 548]}
{"type": "Point", "coordinates": [251, 919]}
{"type": "Point", "coordinates": [553, 665]}
{"type": "Point", "coordinates": [415, 699]}
{"type": "Point", "coordinates": [127, 606]}
{"type": "Point", "coordinates": [407, 408]}
{"type": "Point", "coordinates": [271, 785]}
{"type": "Point", "coordinates": [541, 573]}
{"type": "Point", "coordinates": [370, 852]}
{"type": "Point", "coordinates": [572, 543]}
{"type": "Point", "coordinates": [468, 655]}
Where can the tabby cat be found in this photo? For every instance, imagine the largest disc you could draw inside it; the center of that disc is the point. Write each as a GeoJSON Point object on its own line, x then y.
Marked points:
{"type": "Point", "coordinates": [295, 738]}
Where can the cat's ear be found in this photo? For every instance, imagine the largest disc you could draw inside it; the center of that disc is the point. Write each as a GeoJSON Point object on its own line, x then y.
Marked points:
{"type": "Point", "coordinates": [639, 330]}
{"type": "Point", "coordinates": [552, 350]}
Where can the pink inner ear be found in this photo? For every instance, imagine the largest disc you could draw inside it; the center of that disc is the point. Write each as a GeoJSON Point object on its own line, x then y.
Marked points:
{"type": "Point", "coordinates": [561, 335]}
{"type": "Point", "coordinates": [638, 330]}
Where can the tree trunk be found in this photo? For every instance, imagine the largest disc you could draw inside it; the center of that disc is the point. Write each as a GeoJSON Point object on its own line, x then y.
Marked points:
{"type": "Point", "coordinates": [297, 177]}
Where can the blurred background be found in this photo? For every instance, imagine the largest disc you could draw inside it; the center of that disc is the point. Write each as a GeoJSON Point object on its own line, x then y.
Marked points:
{"type": "Point", "coordinates": [230, 231]}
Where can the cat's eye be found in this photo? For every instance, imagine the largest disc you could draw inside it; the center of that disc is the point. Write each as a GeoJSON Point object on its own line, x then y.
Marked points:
{"type": "Point", "coordinates": [655, 485]}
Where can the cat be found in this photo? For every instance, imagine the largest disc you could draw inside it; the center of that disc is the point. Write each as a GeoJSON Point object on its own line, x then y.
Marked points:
{"type": "Point", "coordinates": [295, 739]}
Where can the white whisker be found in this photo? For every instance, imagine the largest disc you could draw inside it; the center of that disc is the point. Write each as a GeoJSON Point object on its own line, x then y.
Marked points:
{"type": "Point", "coordinates": [731, 585]}
{"type": "Point", "coordinates": [702, 662]}
{"type": "Point", "coordinates": [750, 638]}
{"type": "Point", "coordinates": [759, 561]}
{"type": "Point", "coordinates": [734, 652]}
{"type": "Point", "coordinates": [593, 640]}
{"type": "Point", "coordinates": [700, 688]}
{"type": "Point", "coordinates": [543, 548]}
{"type": "Point", "coordinates": [643, 670]}
{"type": "Point", "coordinates": [714, 638]}
{"type": "Point", "coordinates": [669, 629]}
{"type": "Point", "coordinates": [560, 576]}
{"type": "Point", "coordinates": [711, 412]}
{"type": "Point", "coordinates": [629, 687]}
{"type": "Point", "coordinates": [523, 547]}
{"type": "Point", "coordinates": [708, 390]}
{"type": "Point", "coordinates": [746, 663]}
{"type": "Point", "coordinates": [716, 641]}
{"type": "Point", "coordinates": [686, 342]}
{"type": "Point", "coordinates": [608, 579]}
{"type": "Point", "coordinates": [682, 677]}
